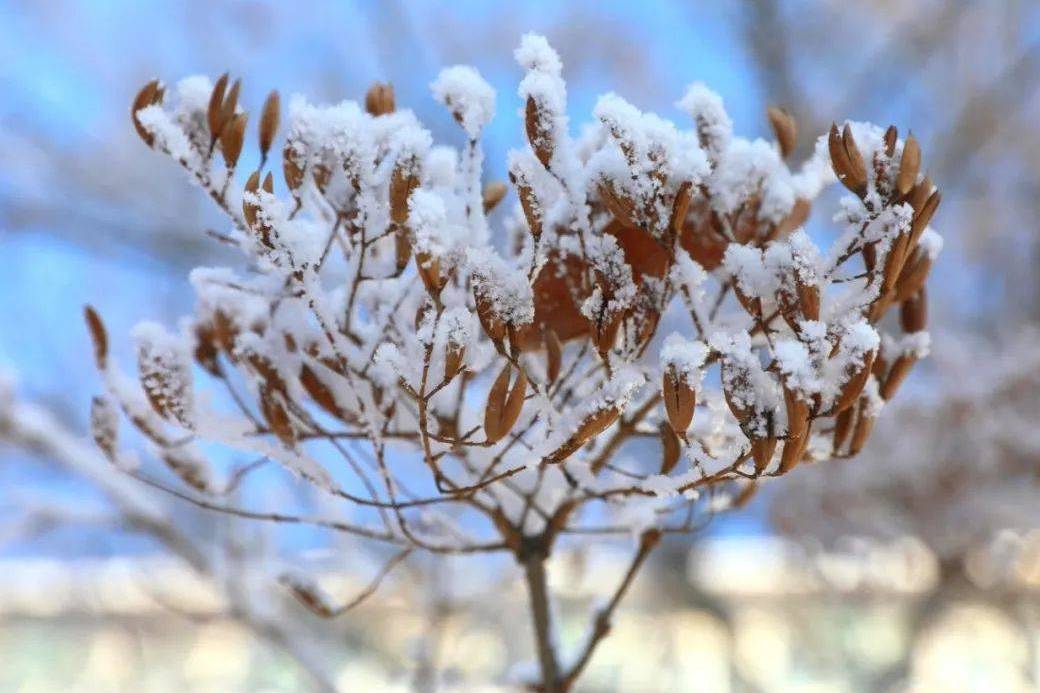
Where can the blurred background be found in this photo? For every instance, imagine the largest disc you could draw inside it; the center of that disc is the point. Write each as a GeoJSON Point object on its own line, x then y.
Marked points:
{"type": "Point", "coordinates": [913, 567]}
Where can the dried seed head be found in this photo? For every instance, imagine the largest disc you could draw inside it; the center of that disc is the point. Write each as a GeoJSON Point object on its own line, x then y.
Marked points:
{"type": "Point", "coordinates": [785, 128]}
{"type": "Point", "coordinates": [98, 335]}
{"type": "Point", "coordinates": [494, 192]}
{"type": "Point", "coordinates": [379, 99]}
{"type": "Point", "coordinates": [909, 165]}
{"type": "Point", "coordinates": [269, 120]}
{"type": "Point", "coordinates": [231, 139]}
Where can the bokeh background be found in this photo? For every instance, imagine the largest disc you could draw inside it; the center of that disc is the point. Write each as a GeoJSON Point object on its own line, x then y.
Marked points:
{"type": "Point", "coordinates": [914, 567]}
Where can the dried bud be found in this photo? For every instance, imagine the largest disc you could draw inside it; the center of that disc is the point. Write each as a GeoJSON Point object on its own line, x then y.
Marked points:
{"type": "Point", "coordinates": [379, 99]}
{"type": "Point", "coordinates": [494, 192]}
{"type": "Point", "coordinates": [269, 120]}
{"type": "Point", "coordinates": [249, 209]}
{"type": "Point", "coordinates": [785, 128]}
{"type": "Point", "coordinates": [232, 138]}
{"type": "Point", "coordinates": [98, 335]}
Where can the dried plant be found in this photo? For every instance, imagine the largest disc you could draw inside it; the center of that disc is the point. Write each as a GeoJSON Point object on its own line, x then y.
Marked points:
{"type": "Point", "coordinates": [467, 399]}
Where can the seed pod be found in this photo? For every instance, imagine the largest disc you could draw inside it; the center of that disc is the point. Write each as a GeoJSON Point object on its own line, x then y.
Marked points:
{"type": "Point", "coordinates": [150, 94]}
{"type": "Point", "coordinates": [453, 356]}
{"type": "Point", "coordinates": [312, 597]}
{"type": "Point", "coordinates": [592, 426]}
{"type": "Point", "coordinates": [104, 426]}
{"type": "Point", "coordinates": [538, 125]}
{"type": "Point", "coordinates": [915, 272]}
{"type": "Point", "coordinates": [762, 450]}
{"type": "Point", "coordinates": [896, 375]}
{"type": "Point", "coordinates": [680, 206]}
{"type": "Point", "coordinates": [923, 217]}
{"type": "Point", "coordinates": [274, 412]}
{"type": "Point", "coordinates": [680, 400]}
{"type": "Point", "coordinates": [891, 138]}
{"type": "Point", "coordinates": [98, 335]}
{"type": "Point", "coordinates": [846, 160]}
{"type": "Point", "coordinates": [553, 356]}
{"type": "Point", "coordinates": [292, 171]}
{"type": "Point", "coordinates": [269, 120]}
{"type": "Point", "coordinates": [670, 449]}
{"type": "Point", "coordinates": [797, 430]}
{"type": "Point", "coordinates": [606, 334]}
{"type": "Point", "coordinates": [494, 192]}
{"type": "Point", "coordinates": [249, 209]}
{"type": "Point", "coordinates": [379, 99]}
{"type": "Point", "coordinates": [215, 111]}
{"type": "Point", "coordinates": [853, 387]}
{"type": "Point", "coordinates": [503, 407]}
{"type": "Point", "coordinates": [429, 268]}
{"type": "Point", "coordinates": [909, 165]}
{"type": "Point", "coordinates": [206, 353]}
{"type": "Point", "coordinates": [785, 128]}
{"type": "Point", "coordinates": [319, 391]}
{"type": "Point", "coordinates": [528, 202]}
{"type": "Point", "coordinates": [230, 105]}
{"type": "Point", "coordinates": [913, 312]}
{"type": "Point", "coordinates": [620, 205]}
{"type": "Point", "coordinates": [920, 194]}
{"type": "Point", "coordinates": [858, 166]}
{"type": "Point", "coordinates": [232, 138]}
{"type": "Point", "coordinates": [894, 261]}
{"type": "Point", "coordinates": [402, 248]}
{"type": "Point", "coordinates": [808, 299]}
{"type": "Point", "coordinates": [402, 183]}
{"type": "Point", "coordinates": [494, 328]}
{"type": "Point", "coordinates": [799, 213]}
{"type": "Point", "coordinates": [864, 425]}
{"type": "Point", "coordinates": [842, 426]}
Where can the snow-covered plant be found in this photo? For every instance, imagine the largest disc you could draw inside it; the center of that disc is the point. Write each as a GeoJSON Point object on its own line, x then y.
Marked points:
{"type": "Point", "coordinates": [465, 391]}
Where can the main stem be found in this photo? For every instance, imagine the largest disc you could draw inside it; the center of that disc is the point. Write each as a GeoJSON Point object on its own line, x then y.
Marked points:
{"type": "Point", "coordinates": [534, 571]}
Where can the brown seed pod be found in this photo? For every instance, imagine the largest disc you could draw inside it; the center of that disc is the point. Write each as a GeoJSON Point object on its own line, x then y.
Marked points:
{"type": "Point", "coordinates": [913, 312]}
{"type": "Point", "coordinates": [762, 450]}
{"type": "Point", "coordinates": [309, 596]}
{"type": "Point", "coordinates": [680, 400]}
{"type": "Point", "coordinates": [670, 448]}
{"type": "Point", "coordinates": [249, 209]}
{"type": "Point", "coordinates": [842, 426]}
{"type": "Point", "coordinates": [504, 405]}
{"type": "Point", "coordinates": [98, 335]}
{"type": "Point", "coordinates": [230, 105]}
{"type": "Point", "coordinates": [923, 217]}
{"type": "Point", "coordinates": [291, 170]}
{"type": "Point", "coordinates": [891, 138]}
{"type": "Point", "coordinates": [269, 120]}
{"type": "Point", "coordinates": [453, 356]}
{"type": "Point", "coordinates": [798, 215]}
{"type": "Point", "coordinates": [528, 202]}
{"type": "Point", "coordinates": [852, 389]}
{"type": "Point", "coordinates": [553, 356]}
{"type": "Point", "coordinates": [538, 125]}
{"type": "Point", "coordinates": [379, 99]}
{"type": "Point", "coordinates": [150, 94]}
{"type": "Point", "coordinates": [785, 128]}
{"type": "Point", "coordinates": [232, 138]}
{"type": "Point", "coordinates": [185, 467]}
{"type": "Point", "coordinates": [909, 165]}
{"type": "Point", "coordinates": [319, 391]}
{"type": "Point", "coordinates": [864, 425]}
{"type": "Point", "coordinates": [896, 375]}
{"type": "Point", "coordinates": [215, 111]}
{"type": "Point", "coordinates": [680, 206]}
{"type": "Point", "coordinates": [808, 300]}
{"type": "Point", "coordinates": [206, 352]}
{"type": "Point", "coordinates": [402, 248]}
{"type": "Point", "coordinates": [402, 184]}
{"type": "Point", "coordinates": [915, 272]}
{"type": "Point", "coordinates": [846, 160]}
{"type": "Point", "coordinates": [797, 430]}
{"type": "Point", "coordinates": [747, 492]}
{"type": "Point", "coordinates": [274, 412]}
{"type": "Point", "coordinates": [429, 268]}
{"type": "Point", "coordinates": [493, 193]}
